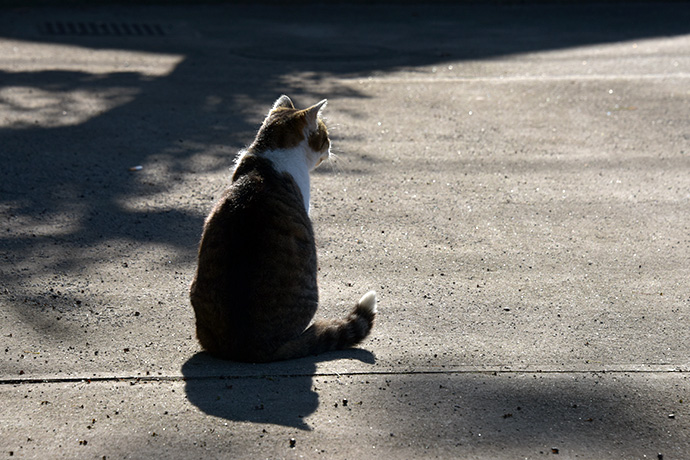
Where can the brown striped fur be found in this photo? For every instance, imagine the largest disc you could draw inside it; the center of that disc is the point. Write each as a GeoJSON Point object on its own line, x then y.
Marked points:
{"type": "Point", "coordinates": [255, 289]}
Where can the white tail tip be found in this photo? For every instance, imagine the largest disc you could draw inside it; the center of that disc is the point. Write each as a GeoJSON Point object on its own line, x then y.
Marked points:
{"type": "Point", "coordinates": [368, 301]}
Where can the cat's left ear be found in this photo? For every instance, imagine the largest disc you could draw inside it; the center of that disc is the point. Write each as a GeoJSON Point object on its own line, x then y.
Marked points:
{"type": "Point", "coordinates": [312, 114]}
{"type": "Point", "coordinates": [283, 102]}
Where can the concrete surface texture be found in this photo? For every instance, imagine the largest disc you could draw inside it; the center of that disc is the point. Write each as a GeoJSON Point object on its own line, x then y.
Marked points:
{"type": "Point", "coordinates": [512, 180]}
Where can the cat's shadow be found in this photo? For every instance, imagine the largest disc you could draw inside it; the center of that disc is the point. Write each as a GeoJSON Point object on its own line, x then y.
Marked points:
{"type": "Point", "coordinates": [279, 393]}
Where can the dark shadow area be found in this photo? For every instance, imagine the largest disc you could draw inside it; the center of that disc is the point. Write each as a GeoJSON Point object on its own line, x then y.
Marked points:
{"type": "Point", "coordinates": [279, 393]}
{"type": "Point", "coordinates": [526, 415]}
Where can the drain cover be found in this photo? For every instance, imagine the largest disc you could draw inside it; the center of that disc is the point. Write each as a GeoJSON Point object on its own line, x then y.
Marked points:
{"type": "Point", "coordinates": [101, 29]}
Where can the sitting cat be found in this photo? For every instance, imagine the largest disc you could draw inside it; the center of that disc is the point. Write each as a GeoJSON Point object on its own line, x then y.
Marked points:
{"type": "Point", "coordinates": [255, 292]}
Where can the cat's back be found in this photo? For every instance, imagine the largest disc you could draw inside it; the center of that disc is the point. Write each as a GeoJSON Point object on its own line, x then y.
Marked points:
{"type": "Point", "coordinates": [255, 284]}
{"type": "Point", "coordinates": [258, 229]}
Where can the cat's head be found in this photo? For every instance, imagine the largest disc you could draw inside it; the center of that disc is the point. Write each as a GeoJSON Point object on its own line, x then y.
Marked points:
{"type": "Point", "coordinates": [286, 127]}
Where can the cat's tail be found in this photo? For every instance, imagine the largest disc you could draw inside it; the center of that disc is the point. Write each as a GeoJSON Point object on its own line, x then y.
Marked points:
{"type": "Point", "coordinates": [335, 334]}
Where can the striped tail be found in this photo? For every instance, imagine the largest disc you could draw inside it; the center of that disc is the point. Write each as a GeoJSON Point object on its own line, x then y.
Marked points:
{"type": "Point", "coordinates": [330, 335]}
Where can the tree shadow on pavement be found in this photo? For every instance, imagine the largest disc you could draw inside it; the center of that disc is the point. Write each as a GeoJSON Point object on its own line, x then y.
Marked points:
{"type": "Point", "coordinates": [279, 393]}
{"type": "Point", "coordinates": [78, 171]}
{"type": "Point", "coordinates": [532, 414]}
{"type": "Point", "coordinates": [79, 110]}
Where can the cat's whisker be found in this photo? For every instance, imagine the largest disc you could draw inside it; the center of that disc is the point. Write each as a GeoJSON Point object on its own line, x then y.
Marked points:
{"type": "Point", "coordinates": [333, 163]}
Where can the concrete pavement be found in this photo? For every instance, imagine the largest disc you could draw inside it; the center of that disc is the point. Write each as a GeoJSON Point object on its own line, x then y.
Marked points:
{"type": "Point", "coordinates": [513, 181]}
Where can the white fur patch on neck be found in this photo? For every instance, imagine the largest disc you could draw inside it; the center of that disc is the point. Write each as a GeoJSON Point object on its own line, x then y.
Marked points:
{"type": "Point", "coordinates": [295, 162]}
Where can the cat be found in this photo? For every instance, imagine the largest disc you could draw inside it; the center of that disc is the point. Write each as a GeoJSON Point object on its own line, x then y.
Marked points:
{"type": "Point", "coordinates": [255, 290]}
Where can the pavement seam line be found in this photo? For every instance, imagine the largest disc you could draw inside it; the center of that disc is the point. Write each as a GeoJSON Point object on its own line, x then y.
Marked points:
{"type": "Point", "coordinates": [180, 378]}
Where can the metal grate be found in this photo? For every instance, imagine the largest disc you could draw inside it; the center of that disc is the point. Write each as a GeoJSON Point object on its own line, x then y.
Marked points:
{"type": "Point", "coordinates": [102, 29]}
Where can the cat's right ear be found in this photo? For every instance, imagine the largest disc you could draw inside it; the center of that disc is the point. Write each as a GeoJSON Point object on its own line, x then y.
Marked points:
{"type": "Point", "coordinates": [283, 102]}
{"type": "Point", "coordinates": [313, 114]}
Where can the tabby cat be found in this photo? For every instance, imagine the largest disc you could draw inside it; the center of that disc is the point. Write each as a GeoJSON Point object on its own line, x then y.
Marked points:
{"type": "Point", "coordinates": [255, 292]}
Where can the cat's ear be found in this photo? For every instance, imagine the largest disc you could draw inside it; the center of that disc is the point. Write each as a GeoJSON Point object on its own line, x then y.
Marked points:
{"type": "Point", "coordinates": [312, 114]}
{"type": "Point", "coordinates": [283, 102]}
